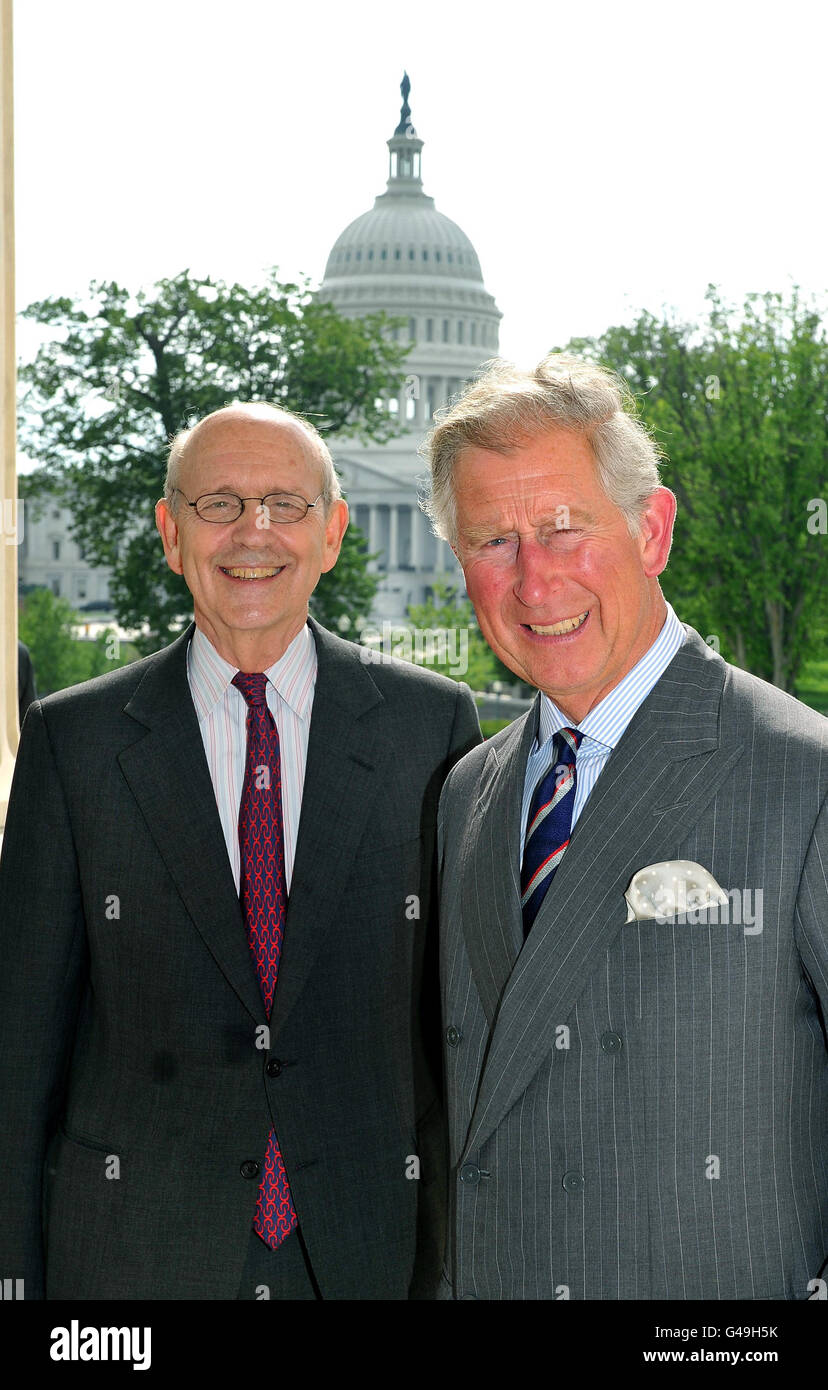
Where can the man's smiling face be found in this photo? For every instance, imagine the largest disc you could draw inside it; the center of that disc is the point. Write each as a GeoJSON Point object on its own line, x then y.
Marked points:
{"type": "Point", "coordinates": [564, 595]}
{"type": "Point", "coordinates": [252, 454]}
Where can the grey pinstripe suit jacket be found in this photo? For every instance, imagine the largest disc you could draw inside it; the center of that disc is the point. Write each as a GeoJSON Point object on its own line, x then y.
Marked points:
{"type": "Point", "coordinates": [584, 1165]}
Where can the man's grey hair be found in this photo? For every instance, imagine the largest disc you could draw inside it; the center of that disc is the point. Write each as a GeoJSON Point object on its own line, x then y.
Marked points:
{"type": "Point", "coordinates": [507, 406]}
{"type": "Point", "coordinates": [331, 490]}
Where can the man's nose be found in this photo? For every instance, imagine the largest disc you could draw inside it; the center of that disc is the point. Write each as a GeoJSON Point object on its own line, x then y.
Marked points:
{"type": "Point", "coordinates": [254, 524]}
{"type": "Point", "coordinates": [537, 571]}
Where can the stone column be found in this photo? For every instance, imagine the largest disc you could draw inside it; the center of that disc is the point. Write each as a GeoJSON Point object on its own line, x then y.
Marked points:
{"type": "Point", "coordinates": [422, 420]}
{"type": "Point", "coordinates": [445, 557]}
{"type": "Point", "coordinates": [373, 528]}
{"type": "Point", "coordinates": [416, 536]}
{"type": "Point", "coordinates": [393, 536]}
{"type": "Point", "coordinates": [9, 531]}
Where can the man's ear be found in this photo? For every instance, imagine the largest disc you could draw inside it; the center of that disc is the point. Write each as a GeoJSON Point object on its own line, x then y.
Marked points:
{"type": "Point", "coordinates": [656, 530]}
{"type": "Point", "coordinates": [168, 531]}
{"type": "Point", "coordinates": [336, 524]}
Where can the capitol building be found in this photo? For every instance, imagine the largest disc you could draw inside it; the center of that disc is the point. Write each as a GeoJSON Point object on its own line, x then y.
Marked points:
{"type": "Point", "coordinates": [413, 262]}
{"type": "Point", "coordinates": [408, 259]}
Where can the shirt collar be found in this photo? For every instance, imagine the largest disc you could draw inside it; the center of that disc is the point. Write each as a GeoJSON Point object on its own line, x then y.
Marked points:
{"type": "Point", "coordinates": [607, 721]}
{"type": "Point", "coordinates": [293, 676]}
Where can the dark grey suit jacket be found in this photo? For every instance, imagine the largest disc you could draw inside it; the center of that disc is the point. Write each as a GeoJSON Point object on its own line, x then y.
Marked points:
{"type": "Point", "coordinates": [636, 1110]}
{"type": "Point", "coordinates": [131, 1069]}
{"type": "Point", "coordinates": [26, 692]}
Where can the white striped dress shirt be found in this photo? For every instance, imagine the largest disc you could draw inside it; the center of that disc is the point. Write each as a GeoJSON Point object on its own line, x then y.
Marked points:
{"type": "Point", "coordinates": [222, 719]}
{"type": "Point", "coordinates": [603, 726]}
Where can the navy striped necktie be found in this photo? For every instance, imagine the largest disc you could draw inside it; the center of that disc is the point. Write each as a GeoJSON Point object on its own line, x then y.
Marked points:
{"type": "Point", "coordinates": [549, 825]}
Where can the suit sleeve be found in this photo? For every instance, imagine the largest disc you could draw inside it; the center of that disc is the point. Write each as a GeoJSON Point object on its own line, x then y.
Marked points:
{"type": "Point", "coordinates": [43, 965]}
{"type": "Point", "coordinates": [431, 1128]}
{"type": "Point", "coordinates": [811, 929]}
{"type": "Point", "coordinates": [812, 910]}
{"type": "Point", "coordinates": [465, 733]}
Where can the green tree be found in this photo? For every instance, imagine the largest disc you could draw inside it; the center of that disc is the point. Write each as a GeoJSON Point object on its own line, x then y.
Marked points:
{"type": "Point", "coordinates": [448, 611]}
{"type": "Point", "coordinates": [739, 404]}
{"type": "Point", "coordinates": [59, 658]}
{"type": "Point", "coordinates": [343, 597]}
{"type": "Point", "coordinates": [122, 373]}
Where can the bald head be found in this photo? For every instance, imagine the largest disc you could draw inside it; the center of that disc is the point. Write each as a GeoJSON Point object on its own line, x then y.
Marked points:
{"type": "Point", "coordinates": [251, 577]}
{"type": "Point", "coordinates": [243, 421]}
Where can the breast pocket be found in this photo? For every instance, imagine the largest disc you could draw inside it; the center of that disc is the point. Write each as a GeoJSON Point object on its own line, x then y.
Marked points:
{"type": "Point", "coordinates": [700, 932]}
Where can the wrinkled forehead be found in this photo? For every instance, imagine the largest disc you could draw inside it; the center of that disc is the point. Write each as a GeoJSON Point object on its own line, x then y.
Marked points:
{"type": "Point", "coordinates": [560, 461]}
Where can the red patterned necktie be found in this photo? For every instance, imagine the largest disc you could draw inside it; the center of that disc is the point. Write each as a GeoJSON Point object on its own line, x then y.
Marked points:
{"type": "Point", "coordinates": [264, 901]}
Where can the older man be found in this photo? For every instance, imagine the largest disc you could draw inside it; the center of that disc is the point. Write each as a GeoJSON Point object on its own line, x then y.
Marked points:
{"type": "Point", "coordinates": [633, 892]}
{"type": "Point", "coordinates": [215, 907]}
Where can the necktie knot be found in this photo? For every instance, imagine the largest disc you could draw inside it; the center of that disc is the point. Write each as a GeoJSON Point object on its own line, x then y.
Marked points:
{"type": "Point", "coordinates": [569, 741]}
{"type": "Point", "coordinates": [252, 685]}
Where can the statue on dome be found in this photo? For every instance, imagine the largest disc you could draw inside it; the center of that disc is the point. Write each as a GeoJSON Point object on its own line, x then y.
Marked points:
{"type": "Point", "coordinates": [405, 127]}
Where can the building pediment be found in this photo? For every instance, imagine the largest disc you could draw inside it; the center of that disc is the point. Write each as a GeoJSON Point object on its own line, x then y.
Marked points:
{"type": "Point", "coordinates": [354, 475]}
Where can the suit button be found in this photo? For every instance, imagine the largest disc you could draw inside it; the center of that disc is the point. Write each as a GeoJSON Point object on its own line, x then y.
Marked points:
{"type": "Point", "coordinates": [250, 1168]}
{"type": "Point", "coordinates": [274, 1067]}
{"type": "Point", "coordinates": [453, 1036]}
{"type": "Point", "coordinates": [611, 1042]}
{"type": "Point", "coordinates": [470, 1173]}
{"type": "Point", "coordinates": [573, 1182]}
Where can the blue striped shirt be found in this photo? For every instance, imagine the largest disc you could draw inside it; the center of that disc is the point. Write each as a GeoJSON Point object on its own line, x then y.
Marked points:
{"type": "Point", "coordinates": [603, 726]}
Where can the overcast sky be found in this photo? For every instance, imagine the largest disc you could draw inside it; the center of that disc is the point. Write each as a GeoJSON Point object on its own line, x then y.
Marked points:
{"type": "Point", "coordinates": [601, 157]}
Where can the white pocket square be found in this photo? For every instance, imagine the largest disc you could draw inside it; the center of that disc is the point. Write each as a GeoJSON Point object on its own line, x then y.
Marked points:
{"type": "Point", "coordinates": [670, 889]}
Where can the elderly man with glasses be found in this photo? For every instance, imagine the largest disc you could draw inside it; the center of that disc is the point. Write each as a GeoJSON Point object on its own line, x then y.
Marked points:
{"type": "Point", "coordinates": [219, 1022]}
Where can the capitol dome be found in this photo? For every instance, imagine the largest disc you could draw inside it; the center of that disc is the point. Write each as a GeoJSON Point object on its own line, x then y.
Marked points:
{"type": "Point", "coordinates": [398, 237]}
{"type": "Point", "coordinates": [406, 257]}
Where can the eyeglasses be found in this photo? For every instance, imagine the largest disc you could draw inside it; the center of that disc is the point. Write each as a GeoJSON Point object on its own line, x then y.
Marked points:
{"type": "Point", "coordinates": [221, 507]}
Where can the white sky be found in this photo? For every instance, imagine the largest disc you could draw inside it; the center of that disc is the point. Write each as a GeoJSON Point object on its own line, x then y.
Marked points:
{"type": "Point", "coordinates": [602, 157]}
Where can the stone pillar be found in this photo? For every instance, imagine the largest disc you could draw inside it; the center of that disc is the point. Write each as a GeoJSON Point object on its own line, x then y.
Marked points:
{"type": "Point", "coordinates": [9, 728]}
{"type": "Point", "coordinates": [422, 418]}
{"type": "Point", "coordinates": [416, 536]}
{"type": "Point", "coordinates": [393, 536]}
{"type": "Point", "coordinates": [373, 528]}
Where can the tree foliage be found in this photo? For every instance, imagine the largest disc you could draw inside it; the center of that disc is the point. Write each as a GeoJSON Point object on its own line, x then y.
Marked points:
{"type": "Point", "coordinates": [59, 658]}
{"type": "Point", "coordinates": [447, 610]}
{"type": "Point", "coordinates": [122, 373]}
{"type": "Point", "coordinates": [740, 406]}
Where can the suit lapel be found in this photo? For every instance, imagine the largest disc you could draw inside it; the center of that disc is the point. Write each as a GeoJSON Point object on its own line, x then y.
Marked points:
{"type": "Point", "coordinates": [345, 754]}
{"type": "Point", "coordinates": [492, 923]}
{"type": "Point", "coordinates": [168, 775]}
{"type": "Point", "coordinates": [664, 771]}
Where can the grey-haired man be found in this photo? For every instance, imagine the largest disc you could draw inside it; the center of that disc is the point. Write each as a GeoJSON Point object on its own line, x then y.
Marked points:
{"type": "Point", "coordinates": [633, 892]}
